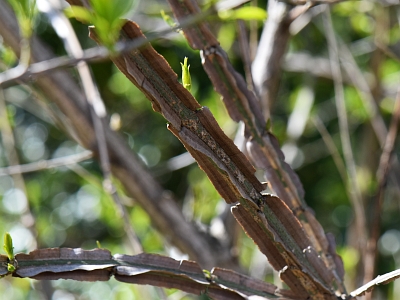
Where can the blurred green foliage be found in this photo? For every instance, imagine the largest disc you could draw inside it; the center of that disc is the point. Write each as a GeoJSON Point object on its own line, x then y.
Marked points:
{"type": "Point", "coordinates": [106, 16]}
{"type": "Point", "coordinates": [25, 11]}
{"type": "Point", "coordinates": [70, 208]}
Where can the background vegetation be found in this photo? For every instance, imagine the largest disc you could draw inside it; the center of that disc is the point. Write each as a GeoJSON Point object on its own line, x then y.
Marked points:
{"type": "Point", "coordinates": [67, 207]}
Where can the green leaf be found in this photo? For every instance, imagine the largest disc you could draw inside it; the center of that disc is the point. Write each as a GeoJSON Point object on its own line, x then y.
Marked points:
{"type": "Point", "coordinates": [10, 268]}
{"type": "Point", "coordinates": [244, 13]}
{"type": "Point", "coordinates": [186, 79]}
{"type": "Point", "coordinates": [111, 11]}
{"type": "Point", "coordinates": [80, 13]}
{"type": "Point", "coordinates": [8, 246]}
{"type": "Point", "coordinates": [167, 19]}
{"type": "Point", "coordinates": [7, 55]}
{"type": "Point", "coordinates": [106, 16]}
{"type": "Point", "coordinates": [207, 274]}
{"type": "Point", "coordinates": [25, 11]}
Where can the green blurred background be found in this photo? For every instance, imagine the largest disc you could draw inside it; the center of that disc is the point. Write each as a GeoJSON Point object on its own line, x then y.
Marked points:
{"type": "Point", "coordinates": [70, 208]}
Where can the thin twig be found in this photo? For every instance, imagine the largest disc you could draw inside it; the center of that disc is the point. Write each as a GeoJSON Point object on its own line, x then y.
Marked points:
{"type": "Point", "coordinates": [359, 81]}
{"type": "Point", "coordinates": [94, 54]}
{"type": "Point", "coordinates": [382, 177]}
{"type": "Point", "coordinates": [330, 144]}
{"type": "Point", "coordinates": [253, 34]}
{"type": "Point", "coordinates": [98, 113]}
{"type": "Point", "coordinates": [246, 58]}
{"type": "Point", "coordinates": [352, 184]}
{"type": "Point", "coordinates": [46, 164]}
{"type": "Point", "coordinates": [311, 2]}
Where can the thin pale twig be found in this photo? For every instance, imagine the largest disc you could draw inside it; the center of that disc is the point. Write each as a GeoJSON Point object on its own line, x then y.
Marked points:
{"type": "Point", "coordinates": [46, 164]}
{"type": "Point", "coordinates": [330, 144]}
{"type": "Point", "coordinates": [359, 81]}
{"type": "Point", "coordinates": [244, 44]}
{"type": "Point", "coordinates": [312, 2]}
{"type": "Point", "coordinates": [382, 177]}
{"type": "Point", "coordinates": [94, 54]}
{"type": "Point", "coordinates": [352, 184]}
{"type": "Point", "coordinates": [253, 36]}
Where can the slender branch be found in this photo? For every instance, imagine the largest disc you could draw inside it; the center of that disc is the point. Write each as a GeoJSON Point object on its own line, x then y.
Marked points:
{"type": "Point", "coordinates": [246, 58]}
{"type": "Point", "coordinates": [312, 2]}
{"type": "Point", "coordinates": [253, 38]}
{"type": "Point", "coordinates": [382, 177]}
{"type": "Point", "coordinates": [330, 144]}
{"type": "Point", "coordinates": [359, 81]}
{"type": "Point", "coordinates": [379, 280]}
{"type": "Point", "coordinates": [352, 184]}
{"type": "Point", "coordinates": [156, 270]}
{"type": "Point", "coordinates": [46, 164]}
{"type": "Point", "coordinates": [94, 54]}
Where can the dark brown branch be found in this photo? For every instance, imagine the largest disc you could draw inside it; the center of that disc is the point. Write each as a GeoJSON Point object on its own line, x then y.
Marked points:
{"type": "Point", "coordinates": [262, 147]}
{"type": "Point", "coordinates": [140, 185]}
{"type": "Point", "coordinates": [266, 219]}
{"type": "Point", "coordinates": [99, 265]}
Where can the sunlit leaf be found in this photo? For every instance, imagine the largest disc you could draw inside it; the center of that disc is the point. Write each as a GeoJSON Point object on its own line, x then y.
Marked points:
{"type": "Point", "coordinates": [244, 13]}
{"type": "Point", "coordinates": [186, 79]}
{"type": "Point", "coordinates": [8, 246]}
{"type": "Point", "coordinates": [80, 13]}
{"type": "Point", "coordinates": [25, 11]}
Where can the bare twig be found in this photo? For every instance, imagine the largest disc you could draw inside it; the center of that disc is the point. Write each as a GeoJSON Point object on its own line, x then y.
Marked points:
{"type": "Point", "coordinates": [243, 43]}
{"type": "Point", "coordinates": [379, 280]}
{"type": "Point", "coordinates": [253, 36]}
{"type": "Point", "coordinates": [331, 147]}
{"type": "Point", "coordinates": [90, 55]}
{"type": "Point", "coordinates": [312, 2]}
{"type": "Point", "coordinates": [359, 81]}
{"type": "Point", "coordinates": [157, 270]}
{"type": "Point", "coordinates": [382, 177]}
{"type": "Point", "coordinates": [352, 184]}
{"type": "Point", "coordinates": [303, 20]}
{"type": "Point", "coordinates": [46, 164]}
